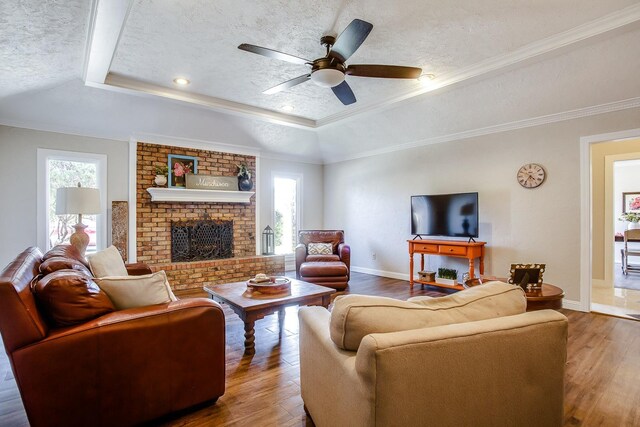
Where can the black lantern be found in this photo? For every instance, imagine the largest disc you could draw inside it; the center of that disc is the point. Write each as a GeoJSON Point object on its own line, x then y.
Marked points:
{"type": "Point", "coordinates": [268, 238]}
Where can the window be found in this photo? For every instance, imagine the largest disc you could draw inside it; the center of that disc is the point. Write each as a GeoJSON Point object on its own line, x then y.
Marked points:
{"type": "Point", "coordinates": [58, 169]}
{"type": "Point", "coordinates": [286, 212]}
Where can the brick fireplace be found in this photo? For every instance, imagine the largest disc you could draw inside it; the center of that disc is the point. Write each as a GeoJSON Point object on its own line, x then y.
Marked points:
{"type": "Point", "coordinates": [154, 222]}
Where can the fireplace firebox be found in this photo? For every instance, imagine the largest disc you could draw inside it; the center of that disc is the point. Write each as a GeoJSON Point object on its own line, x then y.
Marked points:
{"type": "Point", "coordinates": [201, 240]}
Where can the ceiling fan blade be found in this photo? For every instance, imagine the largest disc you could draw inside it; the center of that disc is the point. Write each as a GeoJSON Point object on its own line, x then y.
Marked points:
{"type": "Point", "coordinates": [344, 93]}
{"type": "Point", "coordinates": [350, 39]}
{"type": "Point", "coordinates": [384, 71]}
{"type": "Point", "coordinates": [270, 53]}
{"type": "Point", "coordinates": [287, 84]}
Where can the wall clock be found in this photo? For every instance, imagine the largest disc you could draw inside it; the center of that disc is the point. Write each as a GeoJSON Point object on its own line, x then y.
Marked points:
{"type": "Point", "coordinates": [531, 175]}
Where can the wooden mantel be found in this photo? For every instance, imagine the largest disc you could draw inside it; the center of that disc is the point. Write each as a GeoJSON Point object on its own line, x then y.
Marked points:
{"type": "Point", "coordinates": [159, 194]}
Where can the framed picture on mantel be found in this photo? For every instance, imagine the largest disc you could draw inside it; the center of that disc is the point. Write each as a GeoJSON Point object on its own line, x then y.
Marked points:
{"type": "Point", "coordinates": [179, 166]}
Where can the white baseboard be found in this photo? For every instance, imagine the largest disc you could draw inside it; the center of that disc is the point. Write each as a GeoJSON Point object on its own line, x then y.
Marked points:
{"type": "Point", "coordinates": [382, 273]}
{"type": "Point", "coordinates": [573, 305]}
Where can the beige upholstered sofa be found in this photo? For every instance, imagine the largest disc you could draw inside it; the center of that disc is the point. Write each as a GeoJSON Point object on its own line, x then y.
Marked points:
{"type": "Point", "coordinates": [474, 358]}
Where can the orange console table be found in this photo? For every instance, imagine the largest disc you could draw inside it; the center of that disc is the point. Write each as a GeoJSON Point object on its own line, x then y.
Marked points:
{"type": "Point", "coordinates": [469, 250]}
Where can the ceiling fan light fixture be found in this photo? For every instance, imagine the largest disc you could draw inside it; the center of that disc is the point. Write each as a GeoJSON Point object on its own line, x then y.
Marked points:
{"type": "Point", "coordinates": [288, 108]}
{"type": "Point", "coordinates": [327, 77]}
{"type": "Point", "coordinates": [426, 77]}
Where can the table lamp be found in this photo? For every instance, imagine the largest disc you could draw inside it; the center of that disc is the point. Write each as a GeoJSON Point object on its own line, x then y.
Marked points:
{"type": "Point", "coordinates": [78, 201]}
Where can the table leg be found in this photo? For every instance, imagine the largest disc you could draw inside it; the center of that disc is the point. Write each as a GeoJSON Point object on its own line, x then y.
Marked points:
{"type": "Point", "coordinates": [411, 270]}
{"type": "Point", "coordinates": [326, 300]}
{"type": "Point", "coordinates": [281, 314]}
{"type": "Point", "coordinates": [249, 337]}
{"type": "Point", "coordinates": [482, 261]}
{"type": "Point", "coordinates": [471, 268]}
{"type": "Point", "coordinates": [421, 262]}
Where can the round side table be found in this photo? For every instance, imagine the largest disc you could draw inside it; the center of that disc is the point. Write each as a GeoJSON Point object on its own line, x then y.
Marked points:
{"type": "Point", "coordinates": [549, 296]}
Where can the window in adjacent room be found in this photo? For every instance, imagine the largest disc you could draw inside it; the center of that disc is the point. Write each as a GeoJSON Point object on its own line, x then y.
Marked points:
{"type": "Point", "coordinates": [58, 169]}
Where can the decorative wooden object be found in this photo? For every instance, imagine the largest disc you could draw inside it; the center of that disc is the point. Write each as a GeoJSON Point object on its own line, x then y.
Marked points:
{"type": "Point", "coordinates": [279, 286]}
{"type": "Point", "coordinates": [452, 248]}
{"type": "Point", "coordinates": [120, 227]}
{"type": "Point", "coordinates": [252, 309]}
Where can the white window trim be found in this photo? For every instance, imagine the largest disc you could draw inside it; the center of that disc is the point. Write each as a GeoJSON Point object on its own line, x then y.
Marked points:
{"type": "Point", "coordinates": [42, 177]}
{"type": "Point", "coordinates": [289, 259]}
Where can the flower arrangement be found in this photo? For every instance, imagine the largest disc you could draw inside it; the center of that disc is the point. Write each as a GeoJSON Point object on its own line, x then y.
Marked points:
{"type": "Point", "coordinates": [162, 170]}
{"type": "Point", "coordinates": [243, 171]}
{"type": "Point", "coordinates": [630, 217]}
{"type": "Point", "coordinates": [181, 169]}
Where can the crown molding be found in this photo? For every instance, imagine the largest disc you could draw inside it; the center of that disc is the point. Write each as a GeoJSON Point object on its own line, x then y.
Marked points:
{"type": "Point", "coordinates": [48, 127]}
{"type": "Point", "coordinates": [231, 107]}
{"type": "Point", "coordinates": [504, 127]}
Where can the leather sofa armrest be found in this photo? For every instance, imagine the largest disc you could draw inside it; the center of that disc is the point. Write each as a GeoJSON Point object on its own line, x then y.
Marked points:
{"type": "Point", "coordinates": [344, 251]}
{"type": "Point", "coordinates": [138, 269]}
{"type": "Point", "coordinates": [301, 256]}
{"type": "Point", "coordinates": [104, 366]}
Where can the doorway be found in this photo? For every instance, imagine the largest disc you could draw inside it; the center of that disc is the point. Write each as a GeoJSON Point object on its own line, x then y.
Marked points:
{"type": "Point", "coordinates": [615, 173]}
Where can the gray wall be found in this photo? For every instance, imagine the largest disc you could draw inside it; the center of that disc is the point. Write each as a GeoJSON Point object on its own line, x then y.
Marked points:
{"type": "Point", "coordinates": [18, 148]}
{"type": "Point", "coordinates": [370, 198]}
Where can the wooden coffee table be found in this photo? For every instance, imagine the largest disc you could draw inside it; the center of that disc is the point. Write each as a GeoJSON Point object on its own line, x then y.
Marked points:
{"type": "Point", "coordinates": [252, 308]}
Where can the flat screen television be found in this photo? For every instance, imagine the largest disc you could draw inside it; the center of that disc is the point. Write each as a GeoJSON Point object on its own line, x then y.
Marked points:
{"type": "Point", "coordinates": [451, 215]}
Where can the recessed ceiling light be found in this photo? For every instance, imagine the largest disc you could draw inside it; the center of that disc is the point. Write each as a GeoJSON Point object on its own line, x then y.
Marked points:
{"type": "Point", "coordinates": [288, 108]}
{"type": "Point", "coordinates": [426, 77]}
{"type": "Point", "coordinates": [181, 81]}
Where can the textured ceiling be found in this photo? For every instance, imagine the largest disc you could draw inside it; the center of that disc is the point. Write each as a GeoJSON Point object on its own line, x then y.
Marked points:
{"type": "Point", "coordinates": [41, 43]}
{"type": "Point", "coordinates": [42, 48]}
{"type": "Point", "coordinates": [198, 39]}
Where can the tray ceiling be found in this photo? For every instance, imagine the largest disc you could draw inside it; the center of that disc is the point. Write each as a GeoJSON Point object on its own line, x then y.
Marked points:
{"type": "Point", "coordinates": [163, 39]}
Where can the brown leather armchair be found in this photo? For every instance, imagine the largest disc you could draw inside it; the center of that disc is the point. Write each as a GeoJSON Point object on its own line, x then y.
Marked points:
{"type": "Point", "coordinates": [123, 368]}
{"type": "Point", "coordinates": [332, 270]}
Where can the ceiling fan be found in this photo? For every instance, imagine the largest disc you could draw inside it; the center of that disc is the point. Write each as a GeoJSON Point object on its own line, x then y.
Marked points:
{"type": "Point", "coordinates": [331, 70]}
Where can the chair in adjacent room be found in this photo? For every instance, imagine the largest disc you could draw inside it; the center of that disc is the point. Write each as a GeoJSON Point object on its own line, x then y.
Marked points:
{"type": "Point", "coordinates": [631, 248]}
{"type": "Point", "coordinates": [323, 258]}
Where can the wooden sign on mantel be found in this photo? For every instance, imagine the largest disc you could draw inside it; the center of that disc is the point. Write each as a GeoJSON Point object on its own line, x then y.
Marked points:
{"type": "Point", "coordinates": [211, 182]}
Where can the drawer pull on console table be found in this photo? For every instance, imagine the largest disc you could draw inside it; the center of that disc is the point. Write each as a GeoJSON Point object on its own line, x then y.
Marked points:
{"type": "Point", "coordinates": [452, 248]}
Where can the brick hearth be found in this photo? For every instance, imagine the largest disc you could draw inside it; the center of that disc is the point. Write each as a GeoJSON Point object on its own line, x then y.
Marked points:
{"type": "Point", "coordinates": [153, 220]}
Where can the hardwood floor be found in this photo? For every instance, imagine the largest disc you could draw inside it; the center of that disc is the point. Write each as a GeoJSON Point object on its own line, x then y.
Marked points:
{"type": "Point", "coordinates": [602, 382]}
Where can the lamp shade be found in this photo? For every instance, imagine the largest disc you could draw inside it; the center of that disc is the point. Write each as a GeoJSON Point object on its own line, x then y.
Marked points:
{"type": "Point", "coordinates": [77, 200]}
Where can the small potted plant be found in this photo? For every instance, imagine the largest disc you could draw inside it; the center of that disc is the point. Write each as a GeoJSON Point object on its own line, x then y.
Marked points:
{"type": "Point", "coordinates": [244, 177]}
{"type": "Point", "coordinates": [447, 276]}
{"type": "Point", "coordinates": [632, 218]}
{"type": "Point", "coordinates": [161, 175]}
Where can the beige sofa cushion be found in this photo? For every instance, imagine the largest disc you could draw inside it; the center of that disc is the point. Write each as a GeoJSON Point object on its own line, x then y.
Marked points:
{"type": "Point", "coordinates": [137, 291]}
{"type": "Point", "coordinates": [107, 262]}
{"type": "Point", "coordinates": [355, 316]}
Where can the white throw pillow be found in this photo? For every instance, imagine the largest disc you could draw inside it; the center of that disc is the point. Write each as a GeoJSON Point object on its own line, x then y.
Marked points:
{"type": "Point", "coordinates": [107, 263]}
{"type": "Point", "coordinates": [320, 249]}
{"type": "Point", "coordinates": [137, 291]}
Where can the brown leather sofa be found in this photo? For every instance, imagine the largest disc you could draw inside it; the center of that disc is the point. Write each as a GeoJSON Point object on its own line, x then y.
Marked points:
{"type": "Point", "coordinates": [332, 270]}
{"type": "Point", "coordinates": [123, 368]}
